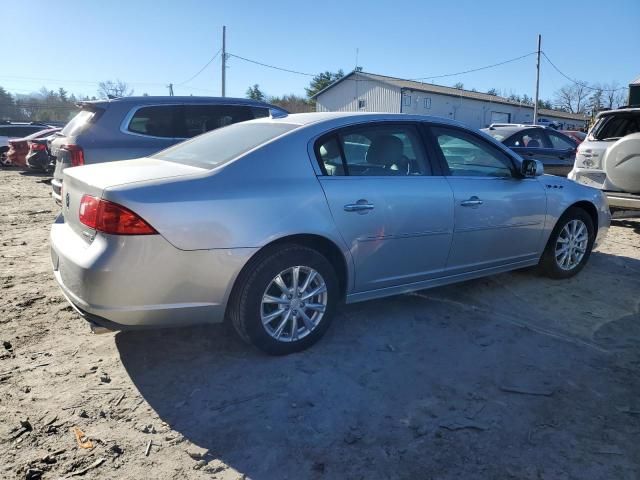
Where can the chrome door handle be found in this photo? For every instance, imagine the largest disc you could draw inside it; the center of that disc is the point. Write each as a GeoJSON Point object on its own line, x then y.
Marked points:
{"type": "Point", "coordinates": [358, 207]}
{"type": "Point", "coordinates": [472, 202]}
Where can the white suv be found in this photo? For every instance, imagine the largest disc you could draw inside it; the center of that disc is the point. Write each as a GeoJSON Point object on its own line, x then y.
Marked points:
{"type": "Point", "coordinates": [609, 158]}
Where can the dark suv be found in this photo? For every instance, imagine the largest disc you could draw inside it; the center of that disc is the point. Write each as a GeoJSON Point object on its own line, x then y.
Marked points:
{"type": "Point", "coordinates": [133, 127]}
{"type": "Point", "coordinates": [556, 151]}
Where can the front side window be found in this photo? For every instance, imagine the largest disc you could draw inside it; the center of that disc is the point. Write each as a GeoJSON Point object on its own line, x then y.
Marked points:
{"type": "Point", "coordinates": [560, 142]}
{"type": "Point", "coordinates": [469, 156]}
{"type": "Point", "coordinates": [204, 118]}
{"type": "Point", "coordinates": [224, 144]}
{"type": "Point", "coordinates": [373, 151]}
{"type": "Point", "coordinates": [156, 121]}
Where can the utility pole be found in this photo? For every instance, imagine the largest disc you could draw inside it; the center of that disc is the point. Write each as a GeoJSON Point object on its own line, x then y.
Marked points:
{"type": "Point", "coordinates": [224, 59]}
{"type": "Point", "coordinates": [170, 86]}
{"type": "Point", "coordinates": [535, 105]}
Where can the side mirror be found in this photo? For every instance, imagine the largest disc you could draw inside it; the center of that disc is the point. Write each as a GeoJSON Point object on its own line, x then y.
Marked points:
{"type": "Point", "coordinates": [531, 168]}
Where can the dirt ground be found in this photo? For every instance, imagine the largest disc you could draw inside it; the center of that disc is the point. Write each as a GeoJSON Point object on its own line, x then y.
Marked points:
{"type": "Point", "coordinates": [510, 377]}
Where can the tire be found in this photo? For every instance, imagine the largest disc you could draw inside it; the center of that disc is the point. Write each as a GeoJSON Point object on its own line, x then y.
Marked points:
{"type": "Point", "coordinates": [250, 305]}
{"type": "Point", "coordinates": [552, 265]}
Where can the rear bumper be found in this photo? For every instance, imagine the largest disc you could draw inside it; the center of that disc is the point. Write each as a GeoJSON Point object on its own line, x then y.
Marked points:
{"type": "Point", "coordinates": [142, 281]}
{"type": "Point", "coordinates": [623, 201]}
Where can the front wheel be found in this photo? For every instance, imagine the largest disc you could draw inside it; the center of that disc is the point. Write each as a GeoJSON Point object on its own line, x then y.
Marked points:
{"type": "Point", "coordinates": [286, 301]}
{"type": "Point", "coordinates": [569, 245]}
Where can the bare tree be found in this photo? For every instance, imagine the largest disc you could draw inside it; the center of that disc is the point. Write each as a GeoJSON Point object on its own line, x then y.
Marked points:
{"type": "Point", "coordinates": [573, 98]}
{"type": "Point", "coordinates": [613, 96]}
{"type": "Point", "coordinates": [114, 89]}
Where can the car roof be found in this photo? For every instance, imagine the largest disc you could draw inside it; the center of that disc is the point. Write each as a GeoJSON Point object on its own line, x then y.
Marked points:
{"type": "Point", "coordinates": [511, 130]}
{"type": "Point", "coordinates": [163, 99]}
{"type": "Point", "coordinates": [619, 110]}
{"type": "Point", "coordinates": [309, 118]}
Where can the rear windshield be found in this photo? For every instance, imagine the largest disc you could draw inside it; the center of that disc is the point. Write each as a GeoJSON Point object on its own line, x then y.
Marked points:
{"type": "Point", "coordinates": [224, 144]}
{"type": "Point", "coordinates": [78, 123]}
{"type": "Point", "coordinates": [614, 127]}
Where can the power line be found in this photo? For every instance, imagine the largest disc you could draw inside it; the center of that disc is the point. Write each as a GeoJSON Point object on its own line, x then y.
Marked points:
{"type": "Point", "coordinates": [270, 66]}
{"type": "Point", "coordinates": [582, 84]}
{"type": "Point", "coordinates": [431, 77]}
{"type": "Point", "coordinates": [201, 70]}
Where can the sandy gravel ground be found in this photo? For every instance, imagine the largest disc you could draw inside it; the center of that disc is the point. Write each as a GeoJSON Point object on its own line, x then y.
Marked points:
{"type": "Point", "coordinates": [509, 377]}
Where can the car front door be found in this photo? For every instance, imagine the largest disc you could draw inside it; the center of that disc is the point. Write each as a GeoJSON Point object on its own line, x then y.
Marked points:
{"type": "Point", "coordinates": [499, 216]}
{"type": "Point", "coordinates": [563, 152]}
{"type": "Point", "coordinates": [393, 213]}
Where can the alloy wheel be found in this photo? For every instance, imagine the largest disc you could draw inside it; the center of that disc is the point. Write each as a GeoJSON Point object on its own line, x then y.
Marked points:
{"type": "Point", "coordinates": [293, 303]}
{"type": "Point", "coordinates": [571, 244]}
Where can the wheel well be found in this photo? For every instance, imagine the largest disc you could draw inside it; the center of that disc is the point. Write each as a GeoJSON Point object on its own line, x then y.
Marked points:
{"type": "Point", "coordinates": [590, 209]}
{"type": "Point", "coordinates": [321, 244]}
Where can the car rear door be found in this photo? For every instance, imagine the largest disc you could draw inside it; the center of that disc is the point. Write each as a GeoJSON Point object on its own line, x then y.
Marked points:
{"type": "Point", "coordinates": [499, 216]}
{"type": "Point", "coordinates": [395, 215]}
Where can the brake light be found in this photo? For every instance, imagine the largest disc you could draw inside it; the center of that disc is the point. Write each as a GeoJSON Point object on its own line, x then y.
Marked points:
{"type": "Point", "coordinates": [111, 218]}
{"type": "Point", "coordinates": [76, 153]}
{"type": "Point", "coordinates": [37, 147]}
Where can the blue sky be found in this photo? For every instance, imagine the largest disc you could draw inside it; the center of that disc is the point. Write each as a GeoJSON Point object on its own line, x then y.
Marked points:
{"type": "Point", "coordinates": [151, 43]}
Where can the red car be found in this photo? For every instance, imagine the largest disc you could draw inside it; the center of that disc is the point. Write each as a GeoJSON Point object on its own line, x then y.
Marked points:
{"type": "Point", "coordinates": [19, 147]}
{"type": "Point", "coordinates": [576, 135]}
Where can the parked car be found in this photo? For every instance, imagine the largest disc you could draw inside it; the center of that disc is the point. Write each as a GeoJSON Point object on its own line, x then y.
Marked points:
{"type": "Point", "coordinates": [556, 151]}
{"type": "Point", "coordinates": [576, 135]}
{"type": "Point", "coordinates": [609, 158]}
{"type": "Point", "coordinates": [39, 155]}
{"type": "Point", "coordinates": [10, 130]}
{"type": "Point", "coordinates": [131, 127]}
{"type": "Point", "coordinates": [272, 222]}
{"type": "Point", "coordinates": [20, 148]}
{"type": "Point", "coordinates": [545, 122]}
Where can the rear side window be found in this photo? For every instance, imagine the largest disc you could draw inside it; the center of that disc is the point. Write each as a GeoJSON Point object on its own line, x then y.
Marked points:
{"type": "Point", "coordinates": [200, 119]}
{"type": "Point", "coordinates": [156, 121]}
{"type": "Point", "coordinates": [613, 127]}
{"type": "Point", "coordinates": [560, 142]}
{"type": "Point", "coordinates": [378, 150]}
{"type": "Point", "coordinates": [78, 123]}
{"type": "Point", "coordinates": [224, 144]}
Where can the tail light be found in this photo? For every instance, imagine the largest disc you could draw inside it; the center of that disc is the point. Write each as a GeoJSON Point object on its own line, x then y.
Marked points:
{"type": "Point", "coordinates": [37, 147]}
{"type": "Point", "coordinates": [111, 218]}
{"type": "Point", "coordinates": [76, 153]}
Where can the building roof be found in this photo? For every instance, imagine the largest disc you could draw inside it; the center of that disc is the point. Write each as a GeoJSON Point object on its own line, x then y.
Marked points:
{"type": "Point", "coordinates": [455, 92]}
{"type": "Point", "coordinates": [635, 82]}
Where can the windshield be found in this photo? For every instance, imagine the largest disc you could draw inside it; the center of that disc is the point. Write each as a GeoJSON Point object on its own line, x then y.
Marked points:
{"type": "Point", "coordinates": [224, 144]}
{"type": "Point", "coordinates": [77, 123]}
{"type": "Point", "coordinates": [613, 127]}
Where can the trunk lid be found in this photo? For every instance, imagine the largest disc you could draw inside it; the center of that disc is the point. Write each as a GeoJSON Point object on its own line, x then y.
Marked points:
{"type": "Point", "coordinates": [93, 179]}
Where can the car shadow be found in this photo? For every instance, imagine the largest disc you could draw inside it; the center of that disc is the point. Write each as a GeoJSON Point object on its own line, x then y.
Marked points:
{"type": "Point", "coordinates": [624, 223]}
{"type": "Point", "coordinates": [392, 380]}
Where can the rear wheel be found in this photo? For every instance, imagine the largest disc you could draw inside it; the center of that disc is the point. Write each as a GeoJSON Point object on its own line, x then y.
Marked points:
{"type": "Point", "coordinates": [569, 245]}
{"type": "Point", "coordinates": [286, 300]}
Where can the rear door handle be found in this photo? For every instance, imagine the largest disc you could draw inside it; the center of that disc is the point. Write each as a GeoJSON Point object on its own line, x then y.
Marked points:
{"type": "Point", "coordinates": [472, 202]}
{"type": "Point", "coordinates": [359, 207]}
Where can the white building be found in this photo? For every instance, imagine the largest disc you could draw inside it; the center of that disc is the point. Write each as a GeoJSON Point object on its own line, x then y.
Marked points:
{"type": "Point", "coordinates": [368, 92]}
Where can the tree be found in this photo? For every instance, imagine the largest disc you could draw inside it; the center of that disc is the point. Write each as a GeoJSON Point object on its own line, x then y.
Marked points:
{"type": "Point", "coordinates": [292, 103]}
{"type": "Point", "coordinates": [493, 91]}
{"type": "Point", "coordinates": [613, 95]}
{"type": "Point", "coordinates": [114, 89]}
{"type": "Point", "coordinates": [321, 81]}
{"type": "Point", "coordinates": [458, 86]}
{"type": "Point", "coordinates": [572, 98]}
{"type": "Point", "coordinates": [255, 93]}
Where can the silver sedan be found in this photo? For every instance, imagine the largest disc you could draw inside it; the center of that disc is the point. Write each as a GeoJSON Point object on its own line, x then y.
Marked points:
{"type": "Point", "coordinates": [272, 223]}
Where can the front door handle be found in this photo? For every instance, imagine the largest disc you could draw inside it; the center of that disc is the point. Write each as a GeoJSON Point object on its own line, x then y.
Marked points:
{"type": "Point", "coordinates": [472, 202]}
{"type": "Point", "coordinates": [361, 206]}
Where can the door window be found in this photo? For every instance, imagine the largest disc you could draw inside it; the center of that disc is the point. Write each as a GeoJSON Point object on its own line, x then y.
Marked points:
{"type": "Point", "coordinates": [467, 155]}
{"type": "Point", "coordinates": [204, 118]}
{"type": "Point", "coordinates": [156, 121]}
{"type": "Point", "coordinates": [373, 151]}
{"type": "Point", "coordinates": [559, 142]}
